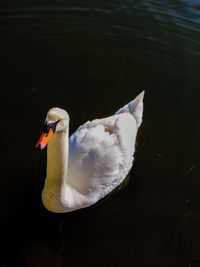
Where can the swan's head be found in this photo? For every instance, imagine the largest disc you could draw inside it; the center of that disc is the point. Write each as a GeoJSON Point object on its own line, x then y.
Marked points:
{"type": "Point", "coordinates": [57, 120]}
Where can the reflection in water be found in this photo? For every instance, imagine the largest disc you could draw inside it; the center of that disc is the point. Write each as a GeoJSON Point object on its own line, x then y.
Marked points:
{"type": "Point", "coordinates": [92, 57]}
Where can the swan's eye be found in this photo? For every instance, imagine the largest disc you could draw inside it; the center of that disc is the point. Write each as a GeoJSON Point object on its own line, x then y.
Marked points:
{"type": "Point", "coordinates": [52, 125]}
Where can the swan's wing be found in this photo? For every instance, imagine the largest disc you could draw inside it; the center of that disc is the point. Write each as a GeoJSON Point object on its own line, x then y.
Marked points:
{"type": "Point", "coordinates": [135, 108]}
{"type": "Point", "coordinates": [101, 154]}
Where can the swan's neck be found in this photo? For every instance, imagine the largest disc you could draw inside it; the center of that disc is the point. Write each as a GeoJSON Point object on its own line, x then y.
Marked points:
{"type": "Point", "coordinates": [54, 191]}
{"type": "Point", "coordinates": [57, 160]}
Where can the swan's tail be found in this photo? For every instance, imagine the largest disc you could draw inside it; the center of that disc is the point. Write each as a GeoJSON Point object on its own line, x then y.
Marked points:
{"type": "Point", "coordinates": [135, 107]}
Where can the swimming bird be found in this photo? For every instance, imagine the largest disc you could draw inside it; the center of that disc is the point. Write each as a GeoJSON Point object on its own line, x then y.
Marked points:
{"type": "Point", "coordinates": [93, 161]}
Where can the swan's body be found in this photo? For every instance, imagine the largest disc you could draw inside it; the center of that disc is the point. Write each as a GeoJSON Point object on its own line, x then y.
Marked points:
{"type": "Point", "coordinates": [95, 160]}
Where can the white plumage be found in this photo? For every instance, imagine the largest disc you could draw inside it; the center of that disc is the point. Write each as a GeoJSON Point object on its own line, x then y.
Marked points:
{"type": "Point", "coordinates": [95, 160]}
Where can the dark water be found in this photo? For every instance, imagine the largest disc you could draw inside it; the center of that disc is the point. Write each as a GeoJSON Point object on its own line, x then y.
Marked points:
{"type": "Point", "coordinates": [92, 57]}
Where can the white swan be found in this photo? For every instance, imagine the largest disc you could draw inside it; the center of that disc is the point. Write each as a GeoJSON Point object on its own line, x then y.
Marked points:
{"type": "Point", "coordinates": [95, 159]}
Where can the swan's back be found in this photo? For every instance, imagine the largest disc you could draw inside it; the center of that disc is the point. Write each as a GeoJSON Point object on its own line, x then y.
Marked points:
{"type": "Point", "coordinates": [101, 151]}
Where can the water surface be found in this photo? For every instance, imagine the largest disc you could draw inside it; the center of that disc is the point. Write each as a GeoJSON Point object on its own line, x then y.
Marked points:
{"type": "Point", "coordinates": [92, 57]}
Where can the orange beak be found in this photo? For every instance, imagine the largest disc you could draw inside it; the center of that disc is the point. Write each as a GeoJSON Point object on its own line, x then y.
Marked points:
{"type": "Point", "coordinates": [44, 139]}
